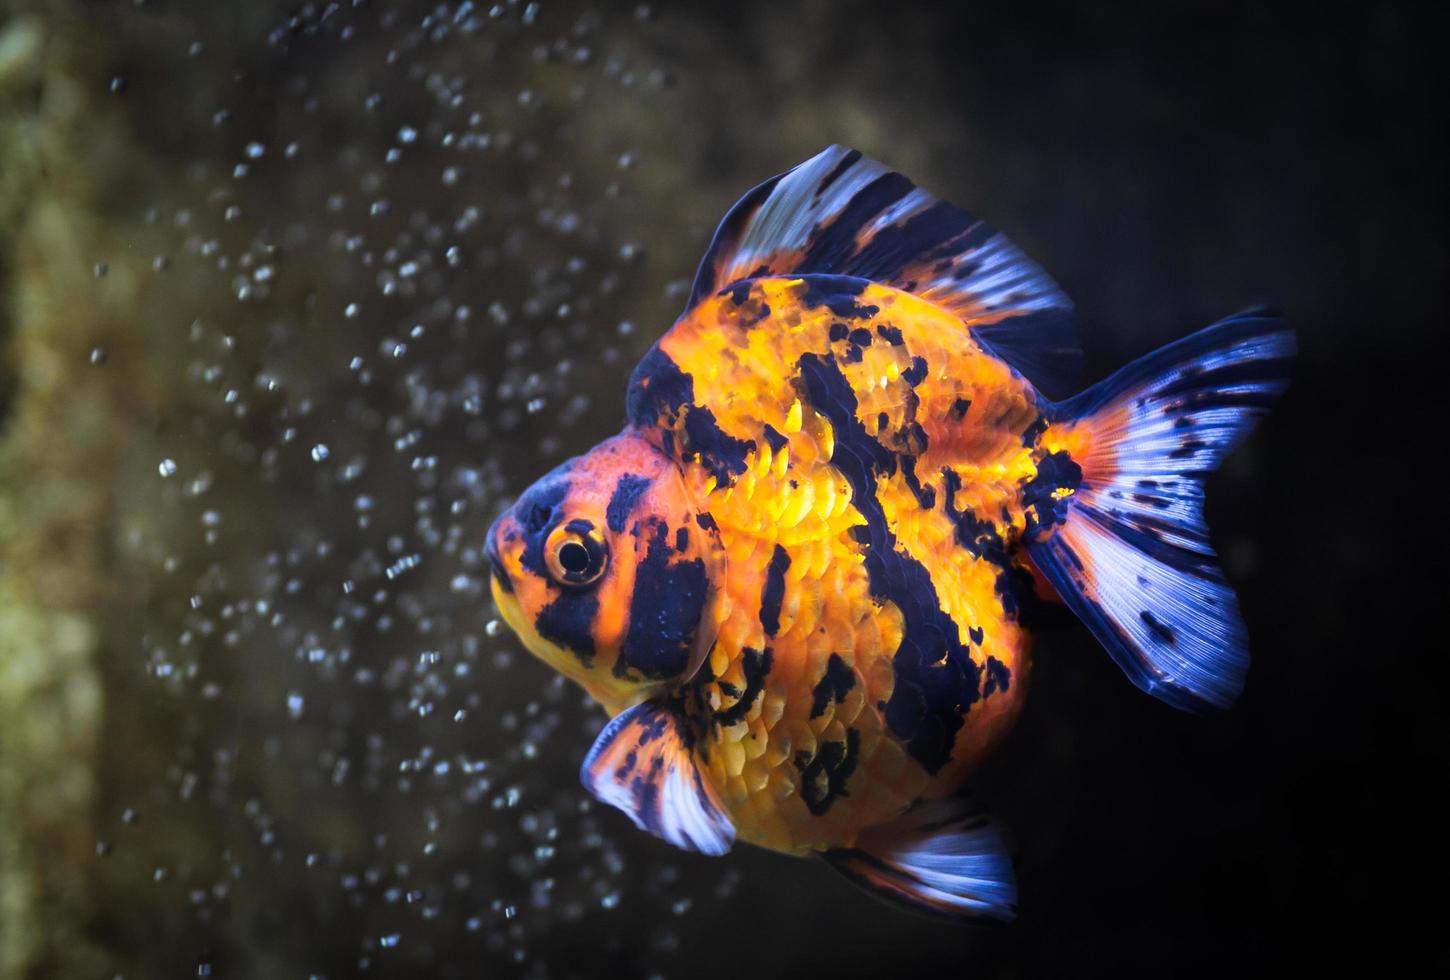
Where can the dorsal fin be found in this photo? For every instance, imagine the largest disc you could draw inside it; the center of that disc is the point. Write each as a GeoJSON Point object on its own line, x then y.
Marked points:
{"type": "Point", "coordinates": [842, 213]}
{"type": "Point", "coordinates": [642, 764]}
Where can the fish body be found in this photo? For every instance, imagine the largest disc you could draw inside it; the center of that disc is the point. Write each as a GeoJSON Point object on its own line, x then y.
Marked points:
{"type": "Point", "coordinates": [797, 578]}
{"type": "Point", "coordinates": [868, 502]}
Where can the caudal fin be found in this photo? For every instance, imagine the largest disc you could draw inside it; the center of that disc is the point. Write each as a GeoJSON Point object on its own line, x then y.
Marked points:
{"type": "Point", "coordinates": [1132, 557]}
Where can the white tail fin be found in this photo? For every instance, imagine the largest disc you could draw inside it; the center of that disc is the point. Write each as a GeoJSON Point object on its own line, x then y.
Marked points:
{"type": "Point", "coordinates": [1132, 558]}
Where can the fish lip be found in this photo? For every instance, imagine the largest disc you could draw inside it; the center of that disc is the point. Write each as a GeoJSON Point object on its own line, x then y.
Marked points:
{"type": "Point", "coordinates": [495, 563]}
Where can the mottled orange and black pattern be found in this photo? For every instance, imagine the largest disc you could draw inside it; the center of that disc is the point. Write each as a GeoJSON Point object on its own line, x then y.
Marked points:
{"type": "Point", "coordinates": [797, 578]}
{"type": "Point", "coordinates": [868, 468]}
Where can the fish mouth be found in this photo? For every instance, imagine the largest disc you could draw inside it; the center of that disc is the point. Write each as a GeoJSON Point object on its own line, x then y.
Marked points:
{"type": "Point", "coordinates": [495, 563]}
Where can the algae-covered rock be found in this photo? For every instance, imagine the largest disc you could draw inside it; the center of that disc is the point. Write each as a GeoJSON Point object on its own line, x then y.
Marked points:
{"type": "Point", "coordinates": [62, 430]}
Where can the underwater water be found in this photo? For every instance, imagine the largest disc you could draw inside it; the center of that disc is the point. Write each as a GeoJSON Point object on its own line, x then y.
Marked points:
{"type": "Point", "coordinates": [297, 297]}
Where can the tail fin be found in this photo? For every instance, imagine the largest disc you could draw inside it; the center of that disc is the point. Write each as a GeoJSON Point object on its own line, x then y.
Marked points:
{"type": "Point", "coordinates": [1132, 558]}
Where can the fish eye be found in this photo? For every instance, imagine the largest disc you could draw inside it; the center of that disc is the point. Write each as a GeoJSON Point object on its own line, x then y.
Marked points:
{"type": "Point", "coordinates": [575, 554]}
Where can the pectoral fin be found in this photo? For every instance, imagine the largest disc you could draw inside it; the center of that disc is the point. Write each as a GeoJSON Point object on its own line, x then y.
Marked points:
{"type": "Point", "coordinates": [642, 763]}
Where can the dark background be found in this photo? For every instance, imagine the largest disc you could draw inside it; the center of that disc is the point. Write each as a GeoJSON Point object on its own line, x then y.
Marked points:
{"type": "Point", "coordinates": [1167, 163]}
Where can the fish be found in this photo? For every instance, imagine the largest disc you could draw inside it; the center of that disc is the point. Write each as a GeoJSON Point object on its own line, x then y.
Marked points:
{"type": "Point", "coordinates": [800, 580]}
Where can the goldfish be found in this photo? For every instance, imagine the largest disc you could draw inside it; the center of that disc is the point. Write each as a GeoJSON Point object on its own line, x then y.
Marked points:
{"type": "Point", "coordinates": [796, 580]}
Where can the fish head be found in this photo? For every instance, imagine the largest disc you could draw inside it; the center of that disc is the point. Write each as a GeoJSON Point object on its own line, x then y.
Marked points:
{"type": "Point", "coordinates": [609, 573]}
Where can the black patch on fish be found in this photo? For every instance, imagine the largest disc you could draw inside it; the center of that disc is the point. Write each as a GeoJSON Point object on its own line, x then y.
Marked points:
{"type": "Point", "coordinates": [976, 633]}
{"type": "Point", "coordinates": [645, 788]}
{"type": "Point", "coordinates": [834, 246]}
{"type": "Point", "coordinates": [723, 455]}
{"type": "Point", "coordinates": [1196, 387]}
{"type": "Point", "coordinates": [776, 441]}
{"type": "Point", "coordinates": [658, 390]}
{"type": "Point", "coordinates": [627, 766]}
{"type": "Point", "coordinates": [939, 232]}
{"type": "Point", "coordinates": [936, 680]}
{"type": "Point", "coordinates": [837, 294]}
{"type": "Point", "coordinates": [537, 512]}
{"type": "Point", "coordinates": [846, 163]}
{"type": "Point", "coordinates": [911, 440]}
{"type": "Point", "coordinates": [1033, 432]}
{"type": "Point", "coordinates": [568, 622]}
{"type": "Point", "coordinates": [836, 761]}
{"type": "Point", "coordinates": [755, 664]}
{"type": "Point", "coordinates": [959, 409]}
{"type": "Point", "coordinates": [838, 332]}
{"type": "Point", "coordinates": [915, 374]}
{"type": "Point", "coordinates": [682, 539]}
{"type": "Point", "coordinates": [740, 294]}
{"type": "Point", "coordinates": [1017, 591]}
{"type": "Point", "coordinates": [892, 335]}
{"type": "Point", "coordinates": [978, 535]}
{"type": "Point", "coordinates": [773, 592]}
{"type": "Point", "coordinates": [1157, 628]}
{"type": "Point", "coordinates": [738, 291]}
{"type": "Point", "coordinates": [834, 684]}
{"type": "Point", "coordinates": [860, 339]}
{"type": "Point", "coordinates": [925, 496]}
{"type": "Point", "coordinates": [664, 610]}
{"type": "Point", "coordinates": [1057, 471]}
{"type": "Point", "coordinates": [705, 521]}
{"type": "Point", "coordinates": [998, 677]}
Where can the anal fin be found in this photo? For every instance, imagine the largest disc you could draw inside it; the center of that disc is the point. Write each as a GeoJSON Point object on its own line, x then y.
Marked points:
{"type": "Point", "coordinates": [642, 764]}
{"type": "Point", "coordinates": [944, 857]}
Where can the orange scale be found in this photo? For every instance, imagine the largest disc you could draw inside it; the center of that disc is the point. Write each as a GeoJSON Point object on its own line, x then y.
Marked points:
{"type": "Point", "coordinates": [772, 707]}
{"type": "Point", "coordinates": [755, 742]}
{"type": "Point", "coordinates": [755, 777]}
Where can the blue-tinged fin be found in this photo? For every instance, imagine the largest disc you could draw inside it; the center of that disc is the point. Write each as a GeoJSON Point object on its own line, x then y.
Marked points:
{"type": "Point", "coordinates": [943, 857]}
{"type": "Point", "coordinates": [642, 763]}
{"type": "Point", "coordinates": [1131, 556]}
{"type": "Point", "coordinates": [841, 213]}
